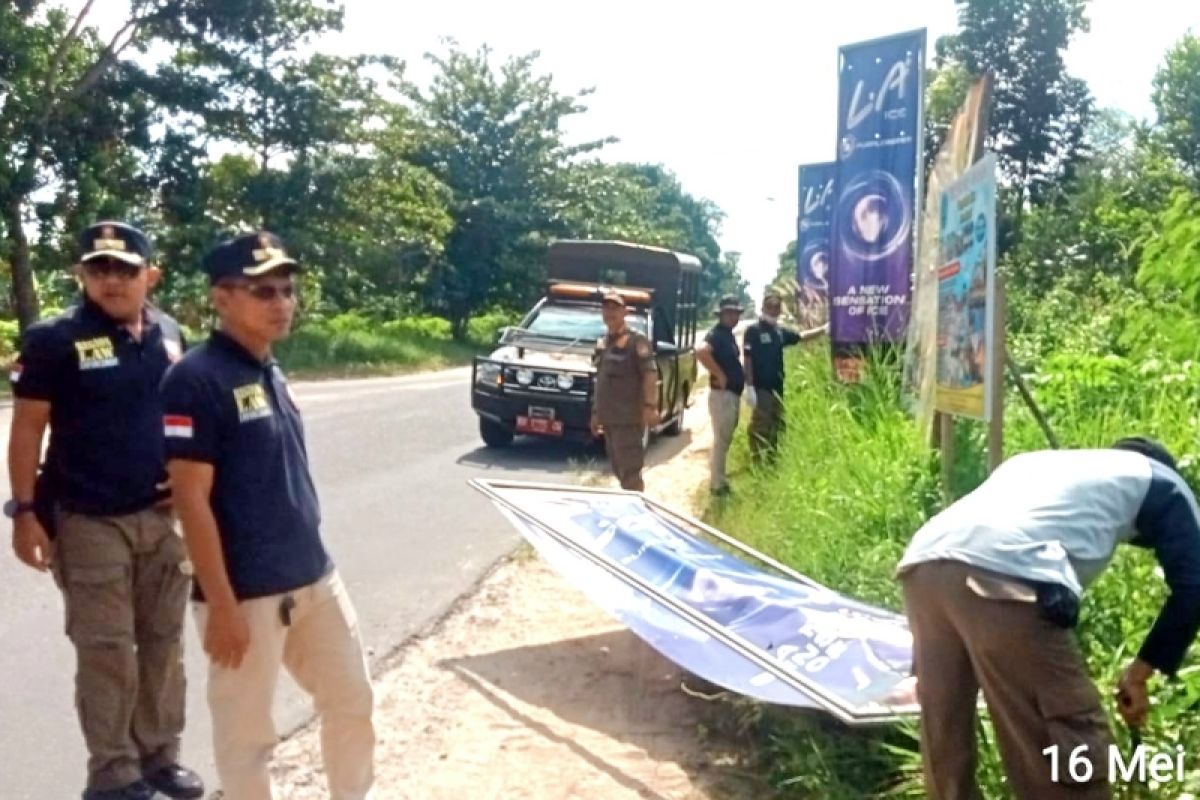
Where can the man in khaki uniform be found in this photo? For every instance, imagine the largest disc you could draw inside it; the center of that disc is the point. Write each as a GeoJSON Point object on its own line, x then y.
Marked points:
{"type": "Point", "coordinates": [91, 375]}
{"type": "Point", "coordinates": [626, 402]}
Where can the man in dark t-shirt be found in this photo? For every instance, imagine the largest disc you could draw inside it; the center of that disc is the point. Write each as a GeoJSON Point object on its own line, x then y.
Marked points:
{"type": "Point", "coordinates": [763, 346]}
{"type": "Point", "coordinates": [719, 355]}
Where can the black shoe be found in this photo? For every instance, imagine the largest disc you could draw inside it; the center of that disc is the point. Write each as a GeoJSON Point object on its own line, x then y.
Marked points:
{"type": "Point", "coordinates": [176, 782]}
{"type": "Point", "coordinates": [134, 791]}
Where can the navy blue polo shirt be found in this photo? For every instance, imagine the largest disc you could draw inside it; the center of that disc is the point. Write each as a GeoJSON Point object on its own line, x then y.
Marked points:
{"type": "Point", "coordinates": [225, 407]}
{"type": "Point", "coordinates": [725, 353]}
{"type": "Point", "coordinates": [763, 344]}
{"type": "Point", "coordinates": [106, 440]}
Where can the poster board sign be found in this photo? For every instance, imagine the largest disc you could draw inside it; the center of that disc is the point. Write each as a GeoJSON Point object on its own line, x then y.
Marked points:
{"type": "Point", "coordinates": [780, 638]}
{"type": "Point", "coordinates": [966, 347]}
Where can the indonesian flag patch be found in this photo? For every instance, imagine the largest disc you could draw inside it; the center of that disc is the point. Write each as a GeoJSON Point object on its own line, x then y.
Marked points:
{"type": "Point", "coordinates": [14, 372]}
{"type": "Point", "coordinates": [178, 427]}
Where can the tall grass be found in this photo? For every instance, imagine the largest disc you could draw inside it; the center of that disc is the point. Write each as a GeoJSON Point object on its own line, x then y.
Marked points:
{"type": "Point", "coordinates": [854, 481]}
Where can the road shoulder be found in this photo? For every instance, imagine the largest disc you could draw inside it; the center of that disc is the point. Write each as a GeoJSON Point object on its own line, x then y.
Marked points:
{"type": "Point", "coordinates": [527, 690]}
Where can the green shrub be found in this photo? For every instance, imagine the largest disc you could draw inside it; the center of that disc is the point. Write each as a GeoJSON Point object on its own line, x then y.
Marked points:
{"type": "Point", "coordinates": [355, 343]}
{"type": "Point", "coordinates": [853, 482]}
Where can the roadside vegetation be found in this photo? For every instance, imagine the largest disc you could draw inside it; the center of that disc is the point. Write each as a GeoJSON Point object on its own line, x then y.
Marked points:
{"type": "Point", "coordinates": [352, 344]}
{"type": "Point", "coordinates": [1100, 244]}
{"type": "Point", "coordinates": [203, 118]}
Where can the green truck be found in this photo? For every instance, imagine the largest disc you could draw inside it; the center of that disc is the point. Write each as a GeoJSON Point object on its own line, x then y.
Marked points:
{"type": "Point", "coordinates": [540, 379]}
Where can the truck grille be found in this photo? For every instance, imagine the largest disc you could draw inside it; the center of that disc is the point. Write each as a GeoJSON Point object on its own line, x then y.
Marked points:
{"type": "Point", "coordinates": [545, 382]}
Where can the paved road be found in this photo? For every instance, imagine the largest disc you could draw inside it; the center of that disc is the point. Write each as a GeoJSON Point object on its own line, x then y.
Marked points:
{"type": "Point", "coordinates": [391, 459]}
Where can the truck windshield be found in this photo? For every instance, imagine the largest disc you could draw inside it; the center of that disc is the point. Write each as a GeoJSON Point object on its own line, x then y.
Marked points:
{"type": "Point", "coordinates": [575, 323]}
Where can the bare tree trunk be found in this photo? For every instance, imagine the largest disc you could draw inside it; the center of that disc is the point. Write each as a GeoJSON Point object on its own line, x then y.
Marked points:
{"type": "Point", "coordinates": [24, 294]}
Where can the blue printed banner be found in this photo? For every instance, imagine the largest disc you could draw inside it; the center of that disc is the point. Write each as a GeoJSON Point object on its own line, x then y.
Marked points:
{"type": "Point", "coordinates": [879, 152]}
{"type": "Point", "coordinates": [812, 243]}
{"type": "Point", "coordinates": [784, 640]}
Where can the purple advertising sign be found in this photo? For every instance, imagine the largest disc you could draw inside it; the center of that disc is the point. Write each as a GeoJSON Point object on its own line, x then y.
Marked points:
{"type": "Point", "coordinates": [785, 640]}
{"type": "Point", "coordinates": [879, 153]}
{"type": "Point", "coordinates": [812, 243]}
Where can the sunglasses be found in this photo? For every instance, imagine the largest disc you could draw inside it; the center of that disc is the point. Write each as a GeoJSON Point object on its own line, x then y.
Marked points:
{"type": "Point", "coordinates": [264, 292]}
{"type": "Point", "coordinates": [103, 268]}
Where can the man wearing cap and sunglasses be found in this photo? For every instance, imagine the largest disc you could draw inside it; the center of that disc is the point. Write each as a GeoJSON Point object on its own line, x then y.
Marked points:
{"type": "Point", "coordinates": [719, 355]}
{"type": "Point", "coordinates": [626, 402]}
{"type": "Point", "coordinates": [267, 593]}
{"type": "Point", "coordinates": [91, 375]}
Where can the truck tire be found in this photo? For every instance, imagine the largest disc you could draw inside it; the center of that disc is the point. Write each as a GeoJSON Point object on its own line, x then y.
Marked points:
{"type": "Point", "coordinates": [676, 426]}
{"type": "Point", "coordinates": [494, 434]}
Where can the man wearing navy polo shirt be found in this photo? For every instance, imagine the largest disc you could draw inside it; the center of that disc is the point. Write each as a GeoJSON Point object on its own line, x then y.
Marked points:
{"type": "Point", "coordinates": [91, 375]}
{"type": "Point", "coordinates": [763, 344]}
{"type": "Point", "coordinates": [268, 595]}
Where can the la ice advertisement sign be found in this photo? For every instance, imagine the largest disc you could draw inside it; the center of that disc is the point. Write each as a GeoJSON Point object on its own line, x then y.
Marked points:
{"type": "Point", "coordinates": [879, 146]}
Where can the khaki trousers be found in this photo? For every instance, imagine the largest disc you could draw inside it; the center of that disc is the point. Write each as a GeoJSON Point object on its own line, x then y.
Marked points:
{"type": "Point", "coordinates": [626, 454]}
{"type": "Point", "coordinates": [322, 650]}
{"type": "Point", "coordinates": [724, 407]}
{"type": "Point", "coordinates": [125, 584]}
{"type": "Point", "coordinates": [766, 423]}
{"type": "Point", "coordinates": [1033, 677]}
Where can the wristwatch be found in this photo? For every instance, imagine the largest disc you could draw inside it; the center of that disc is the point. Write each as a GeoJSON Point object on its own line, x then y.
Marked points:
{"type": "Point", "coordinates": [14, 508]}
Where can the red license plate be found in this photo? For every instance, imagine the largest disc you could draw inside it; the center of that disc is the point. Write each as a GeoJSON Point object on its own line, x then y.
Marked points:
{"type": "Point", "coordinates": [544, 427]}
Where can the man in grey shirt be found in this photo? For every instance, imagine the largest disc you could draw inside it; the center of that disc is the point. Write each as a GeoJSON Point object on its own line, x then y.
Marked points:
{"type": "Point", "coordinates": [991, 590]}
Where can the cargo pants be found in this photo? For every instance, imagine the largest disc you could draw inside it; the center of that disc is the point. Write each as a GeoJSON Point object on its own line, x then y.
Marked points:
{"type": "Point", "coordinates": [766, 423]}
{"type": "Point", "coordinates": [321, 647]}
{"type": "Point", "coordinates": [626, 454]}
{"type": "Point", "coordinates": [125, 582]}
{"type": "Point", "coordinates": [969, 634]}
{"type": "Point", "coordinates": [724, 407]}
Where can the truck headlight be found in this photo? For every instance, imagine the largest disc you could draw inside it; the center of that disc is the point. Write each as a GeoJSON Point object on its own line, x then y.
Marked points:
{"type": "Point", "coordinates": [488, 372]}
{"type": "Point", "coordinates": [525, 377]}
{"type": "Point", "coordinates": [565, 382]}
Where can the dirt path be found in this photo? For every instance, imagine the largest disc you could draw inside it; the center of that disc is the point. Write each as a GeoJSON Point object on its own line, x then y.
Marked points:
{"type": "Point", "coordinates": [526, 691]}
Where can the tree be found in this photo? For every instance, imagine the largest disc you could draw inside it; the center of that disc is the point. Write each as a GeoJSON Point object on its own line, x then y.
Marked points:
{"type": "Point", "coordinates": [495, 138]}
{"type": "Point", "coordinates": [1171, 258]}
{"type": "Point", "coordinates": [1039, 112]}
{"type": "Point", "coordinates": [76, 117]}
{"type": "Point", "coordinates": [1177, 100]}
{"type": "Point", "coordinates": [946, 86]}
{"type": "Point", "coordinates": [646, 204]}
{"type": "Point", "coordinates": [1099, 221]}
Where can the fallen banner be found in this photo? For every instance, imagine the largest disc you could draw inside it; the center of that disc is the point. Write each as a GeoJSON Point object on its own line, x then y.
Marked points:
{"type": "Point", "coordinates": [780, 639]}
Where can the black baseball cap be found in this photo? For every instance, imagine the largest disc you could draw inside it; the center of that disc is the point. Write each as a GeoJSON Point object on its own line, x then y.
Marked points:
{"type": "Point", "coordinates": [116, 240]}
{"type": "Point", "coordinates": [247, 256]}
{"type": "Point", "coordinates": [730, 303]}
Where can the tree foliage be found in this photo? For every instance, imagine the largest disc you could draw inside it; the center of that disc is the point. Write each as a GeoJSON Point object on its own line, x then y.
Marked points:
{"type": "Point", "coordinates": [1039, 111]}
{"type": "Point", "coordinates": [399, 199]}
{"type": "Point", "coordinates": [1177, 99]}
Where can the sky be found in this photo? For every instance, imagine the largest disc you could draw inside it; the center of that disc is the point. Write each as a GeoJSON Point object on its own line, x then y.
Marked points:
{"type": "Point", "coordinates": [731, 97]}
